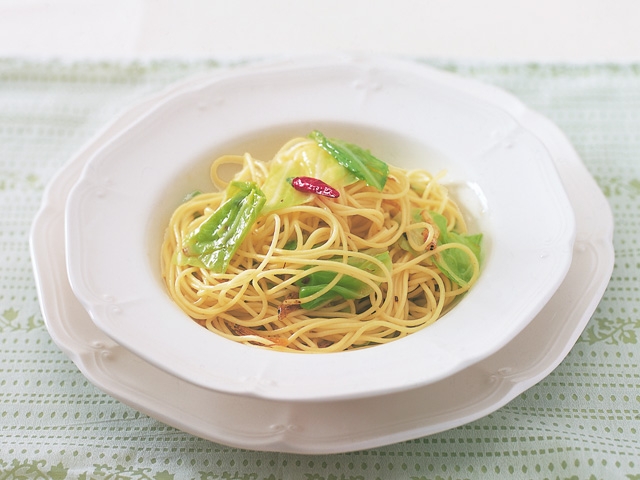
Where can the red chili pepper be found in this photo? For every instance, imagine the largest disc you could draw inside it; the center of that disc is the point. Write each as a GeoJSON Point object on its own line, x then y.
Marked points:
{"type": "Point", "coordinates": [314, 185]}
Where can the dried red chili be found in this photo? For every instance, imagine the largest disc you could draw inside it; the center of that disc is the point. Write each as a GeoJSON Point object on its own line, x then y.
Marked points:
{"type": "Point", "coordinates": [314, 185]}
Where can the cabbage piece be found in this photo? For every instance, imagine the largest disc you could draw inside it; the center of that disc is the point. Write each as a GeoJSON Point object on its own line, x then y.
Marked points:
{"type": "Point", "coordinates": [347, 287]}
{"type": "Point", "coordinates": [357, 160]}
{"type": "Point", "coordinates": [216, 240]}
{"type": "Point", "coordinates": [454, 262]}
{"type": "Point", "coordinates": [309, 160]}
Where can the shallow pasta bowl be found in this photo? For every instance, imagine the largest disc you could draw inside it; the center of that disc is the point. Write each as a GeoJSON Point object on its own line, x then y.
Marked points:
{"type": "Point", "coordinates": [411, 116]}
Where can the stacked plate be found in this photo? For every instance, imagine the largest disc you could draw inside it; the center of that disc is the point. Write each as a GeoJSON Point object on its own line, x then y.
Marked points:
{"type": "Point", "coordinates": [96, 248]}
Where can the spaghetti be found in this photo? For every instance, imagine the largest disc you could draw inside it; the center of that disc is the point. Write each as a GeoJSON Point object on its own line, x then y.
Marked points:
{"type": "Point", "coordinates": [263, 263]}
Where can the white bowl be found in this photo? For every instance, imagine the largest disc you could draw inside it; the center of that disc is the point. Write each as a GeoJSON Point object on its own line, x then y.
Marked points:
{"type": "Point", "coordinates": [407, 114]}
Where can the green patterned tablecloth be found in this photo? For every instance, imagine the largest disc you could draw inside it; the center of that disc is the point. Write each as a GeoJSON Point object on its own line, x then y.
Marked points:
{"type": "Point", "coordinates": [580, 422]}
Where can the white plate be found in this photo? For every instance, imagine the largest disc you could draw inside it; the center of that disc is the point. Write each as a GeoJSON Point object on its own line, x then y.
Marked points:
{"type": "Point", "coordinates": [408, 114]}
{"type": "Point", "coordinates": [339, 426]}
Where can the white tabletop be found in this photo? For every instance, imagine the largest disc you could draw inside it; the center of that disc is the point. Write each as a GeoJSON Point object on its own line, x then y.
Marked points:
{"type": "Point", "coordinates": [541, 30]}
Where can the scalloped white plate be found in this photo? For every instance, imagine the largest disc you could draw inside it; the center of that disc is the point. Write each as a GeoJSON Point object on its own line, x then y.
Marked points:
{"type": "Point", "coordinates": [408, 114]}
{"type": "Point", "coordinates": [335, 426]}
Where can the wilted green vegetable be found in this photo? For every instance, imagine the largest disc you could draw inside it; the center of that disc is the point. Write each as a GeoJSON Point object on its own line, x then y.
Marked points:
{"type": "Point", "coordinates": [215, 242]}
{"type": "Point", "coordinates": [357, 160]}
{"type": "Point", "coordinates": [347, 286]}
{"type": "Point", "coordinates": [453, 262]}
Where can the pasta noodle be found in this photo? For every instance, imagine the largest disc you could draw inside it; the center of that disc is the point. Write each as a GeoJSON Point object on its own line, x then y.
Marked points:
{"type": "Point", "coordinates": [384, 244]}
